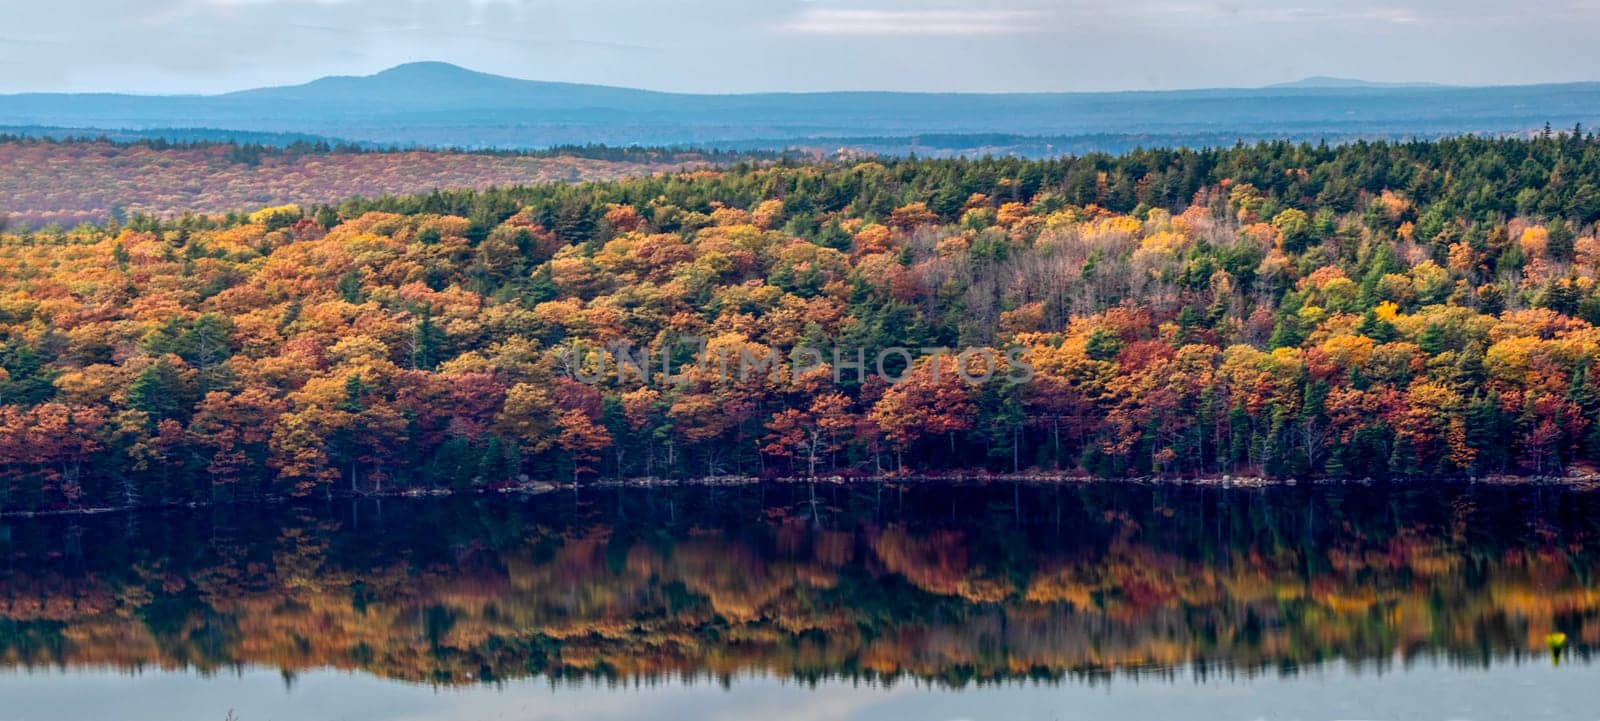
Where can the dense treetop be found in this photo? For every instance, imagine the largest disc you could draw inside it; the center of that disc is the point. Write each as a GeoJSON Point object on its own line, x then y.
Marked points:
{"type": "Point", "coordinates": [1384, 310]}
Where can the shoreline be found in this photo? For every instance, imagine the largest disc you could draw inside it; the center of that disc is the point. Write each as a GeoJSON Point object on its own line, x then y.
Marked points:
{"type": "Point", "coordinates": [1576, 482]}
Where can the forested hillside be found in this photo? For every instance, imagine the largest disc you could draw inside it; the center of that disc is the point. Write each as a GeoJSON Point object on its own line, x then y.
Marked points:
{"type": "Point", "coordinates": [1372, 310]}
{"type": "Point", "coordinates": [66, 182]}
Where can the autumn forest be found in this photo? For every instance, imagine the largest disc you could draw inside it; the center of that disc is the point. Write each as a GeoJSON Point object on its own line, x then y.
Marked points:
{"type": "Point", "coordinates": [1394, 311]}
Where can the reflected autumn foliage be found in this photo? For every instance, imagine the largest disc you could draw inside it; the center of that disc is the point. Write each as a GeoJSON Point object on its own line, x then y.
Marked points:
{"type": "Point", "coordinates": [951, 585]}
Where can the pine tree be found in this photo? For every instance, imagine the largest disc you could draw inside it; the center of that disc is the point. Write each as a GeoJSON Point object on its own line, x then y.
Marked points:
{"type": "Point", "coordinates": [427, 342]}
{"type": "Point", "coordinates": [157, 391]}
{"type": "Point", "coordinates": [349, 287]}
{"type": "Point", "coordinates": [1486, 432]}
{"type": "Point", "coordinates": [1582, 393]}
{"type": "Point", "coordinates": [542, 286]}
{"type": "Point", "coordinates": [1432, 340]}
{"type": "Point", "coordinates": [1378, 329]}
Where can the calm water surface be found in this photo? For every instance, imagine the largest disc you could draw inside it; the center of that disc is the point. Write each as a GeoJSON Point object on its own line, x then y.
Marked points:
{"type": "Point", "coordinates": [792, 602]}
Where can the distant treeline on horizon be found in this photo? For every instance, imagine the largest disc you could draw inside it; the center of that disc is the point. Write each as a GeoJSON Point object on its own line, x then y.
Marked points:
{"type": "Point", "coordinates": [250, 146]}
{"type": "Point", "coordinates": [252, 143]}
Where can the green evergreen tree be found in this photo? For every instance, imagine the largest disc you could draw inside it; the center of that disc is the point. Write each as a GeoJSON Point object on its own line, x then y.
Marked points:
{"type": "Point", "coordinates": [427, 341]}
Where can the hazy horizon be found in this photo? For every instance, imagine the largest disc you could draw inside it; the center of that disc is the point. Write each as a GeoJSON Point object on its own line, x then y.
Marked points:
{"type": "Point", "coordinates": [722, 46]}
{"type": "Point", "coordinates": [1310, 81]}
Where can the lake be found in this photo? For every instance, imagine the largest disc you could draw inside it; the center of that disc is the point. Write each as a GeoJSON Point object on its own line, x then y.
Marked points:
{"type": "Point", "coordinates": [921, 601]}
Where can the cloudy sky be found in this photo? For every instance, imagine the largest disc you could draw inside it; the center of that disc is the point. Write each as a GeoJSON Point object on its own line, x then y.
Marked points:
{"type": "Point", "coordinates": [753, 45]}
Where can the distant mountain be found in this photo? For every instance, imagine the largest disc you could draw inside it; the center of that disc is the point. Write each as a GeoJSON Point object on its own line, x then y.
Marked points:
{"type": "Point", "coordinates": [438, 104]}
{"type": "Point", "coordinates": [438, 85]}
{"type": "Point", "coordinates": [1324, 81]}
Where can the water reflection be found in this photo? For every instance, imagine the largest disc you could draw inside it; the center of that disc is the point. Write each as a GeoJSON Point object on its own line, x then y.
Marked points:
{"type": "Point", "coordinates": [948, 586]}
{"type": "Point", "coordinates": [1526, 692]}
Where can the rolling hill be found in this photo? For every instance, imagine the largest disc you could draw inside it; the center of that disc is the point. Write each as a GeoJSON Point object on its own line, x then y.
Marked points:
{"type": "Point", "coordinates": [1325, 81]}
{"type": "Point", "coordinates": [438, 104]}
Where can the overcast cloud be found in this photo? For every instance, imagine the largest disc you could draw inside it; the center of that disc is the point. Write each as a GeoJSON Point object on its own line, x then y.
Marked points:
{"type": "Point", "coordinates": [754, 45]}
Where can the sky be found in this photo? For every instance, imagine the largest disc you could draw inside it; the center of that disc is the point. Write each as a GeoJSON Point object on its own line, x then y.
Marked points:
{"type": "Point", "coordinates": [208, 46]}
